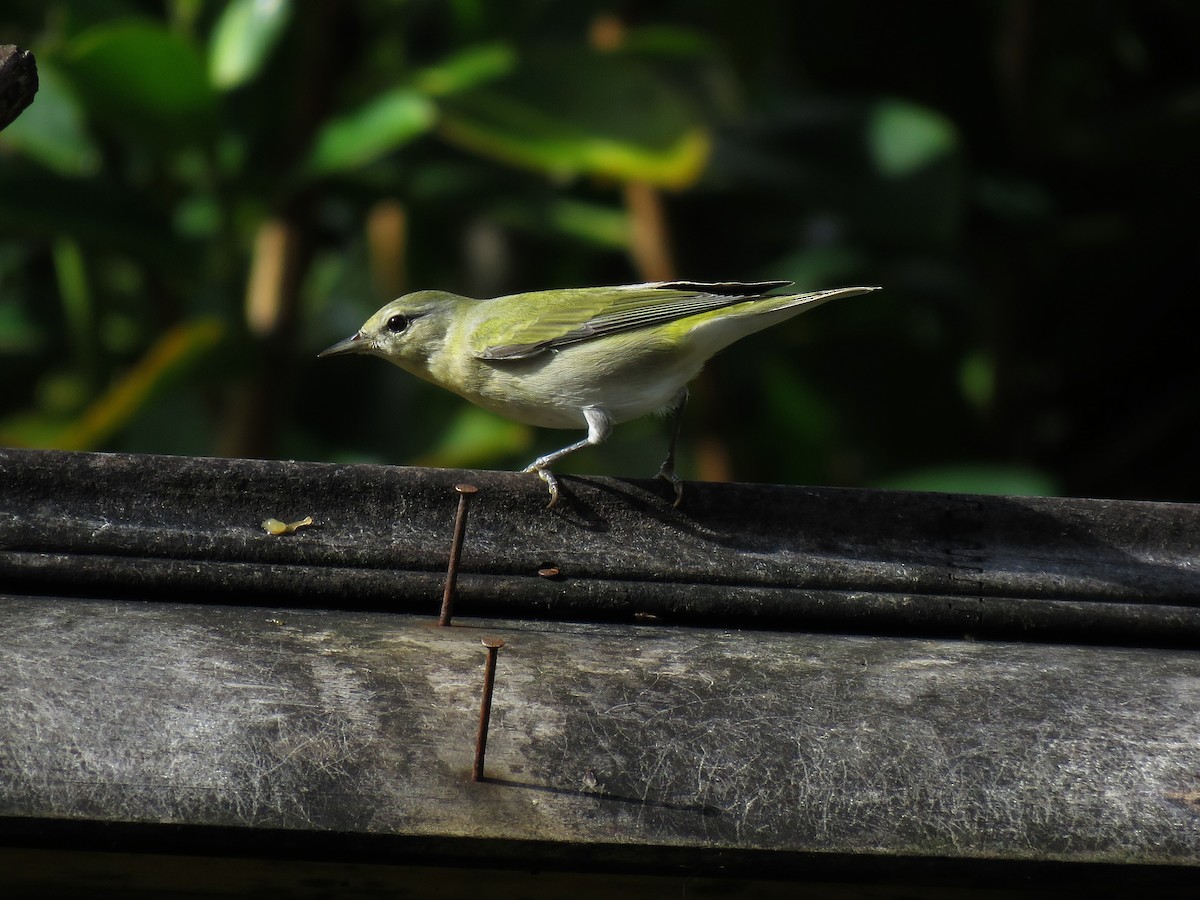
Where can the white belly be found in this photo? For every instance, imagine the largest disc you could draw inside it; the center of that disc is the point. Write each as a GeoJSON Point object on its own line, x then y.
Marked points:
{"type": "Point", "coordinates": [626, 376]}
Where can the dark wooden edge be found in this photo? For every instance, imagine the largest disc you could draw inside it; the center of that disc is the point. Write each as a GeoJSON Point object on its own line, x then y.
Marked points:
{"type": "Point", "coordinates": [471, 853]}
{"type": "Point", "coordinates": [757, 555]}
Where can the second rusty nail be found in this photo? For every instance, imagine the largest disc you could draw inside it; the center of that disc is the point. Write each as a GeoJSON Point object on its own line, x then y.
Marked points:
{"type": "Point", "coordinates": [465, 492]}
{"type": "Point", "coordinates": [485, 706]}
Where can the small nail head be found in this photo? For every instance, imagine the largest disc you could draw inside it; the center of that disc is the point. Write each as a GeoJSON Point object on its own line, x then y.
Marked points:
{"type": "Point", "coordinates": [492, 643]}
{"type": "Point", "coordinates": [549, 572]}
{"type": "Point", "coordinates": [466, 488]}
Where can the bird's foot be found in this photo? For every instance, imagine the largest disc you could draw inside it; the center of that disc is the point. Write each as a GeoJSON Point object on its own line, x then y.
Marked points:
{"type": "Point", "coordinates": [547, 476]}
{"type": "Point", "coordinates": [667, 473]}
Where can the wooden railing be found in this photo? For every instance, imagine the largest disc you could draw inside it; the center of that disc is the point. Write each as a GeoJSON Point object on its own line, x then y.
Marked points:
{"type": "Point", "coordinates": [767, 683]}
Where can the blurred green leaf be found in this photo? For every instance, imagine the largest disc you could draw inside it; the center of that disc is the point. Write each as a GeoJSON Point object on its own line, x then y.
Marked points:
{"type": "Point", "coordinates": [76, 297]}
{"type": "Point", "coordinates": [667, 40]}
{"type": "Point", "coordinates": [198, 217]}
{"type": "Point", "coordinates": [977, 379]}
{"type": "Point", "coordinates": [171, 357]}
{"type": "Point", "coordinates": [140, 81]}
{"type": "Point", "coordinates": [466, 69]}
{"type": "Point", "coordinates": [59, 395]}
{"type": "Point", "coordinates": [600, 225]}
{"type": "Point", "coordinates": [804, 423]}
{"type": "Point", "coordinates": [476, 438]}
{"type": "Point", "coordinates": [1016, 481]}
{"type": "Point", "coordinates": [375, 129]}
{"type": "Point", "coordinates": [905, 138]}
{"type": "Point", "coordinates": [594, 223]}
{"type": "Point", "coordinates": [578, 112]}
{"type": "Point", "coordinates": [242, 39]}
{"type": "Point", "coordinates": [18, 333]}
{"type": "Point", "coordinates": [52, 129]}
{"type": "Point", "coordinates": [919, 195]}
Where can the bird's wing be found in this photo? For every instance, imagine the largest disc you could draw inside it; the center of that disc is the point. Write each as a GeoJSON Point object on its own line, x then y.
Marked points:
{"type": "Point", "coordinates": [546, 320]}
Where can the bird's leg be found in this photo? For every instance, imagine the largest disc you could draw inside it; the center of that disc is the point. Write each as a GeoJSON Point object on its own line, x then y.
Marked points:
{"type": "Point", "coordinates": [599, 428]}
{"type": "Point", "coordinates": [667, 470]}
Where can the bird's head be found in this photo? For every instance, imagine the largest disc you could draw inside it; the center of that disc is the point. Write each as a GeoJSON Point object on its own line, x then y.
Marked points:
{"type": "Point", "coordinates": [406, 331]}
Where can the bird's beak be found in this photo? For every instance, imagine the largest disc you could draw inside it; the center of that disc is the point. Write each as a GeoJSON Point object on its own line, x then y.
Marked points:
{"type": "Point", "coordinates": [349, 345]}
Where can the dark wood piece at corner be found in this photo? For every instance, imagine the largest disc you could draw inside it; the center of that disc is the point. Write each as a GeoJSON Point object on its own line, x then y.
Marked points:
{"type": "Point", "coordinates": [18, 82]}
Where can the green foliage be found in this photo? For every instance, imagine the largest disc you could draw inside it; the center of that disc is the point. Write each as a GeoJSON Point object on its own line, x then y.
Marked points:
{"type": "Point", "coordinates": [52, 130]}
{"type": "Point", "coordinates": [976, 479]}
{"type": "Point", "coordinates": [906, 138]}
{"type": "Point", "coordinates": [573, 111]}
{"type": "Point", "coordinates": [60, 425]}
{"type": "Point", "coordinates": [465, 69]}
{"type": "Point", "coordinates": [141, 80]}
{"type": "Point", "coordinates": [1013, 189]}
{"type": "Point", "coordinates": [243, 37]}
{"type": "Point", "coordinates": [371, 131]}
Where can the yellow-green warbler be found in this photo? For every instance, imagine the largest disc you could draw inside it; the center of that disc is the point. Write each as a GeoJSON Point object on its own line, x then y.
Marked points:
{"type": "Point", "coordinates": [577, 358]}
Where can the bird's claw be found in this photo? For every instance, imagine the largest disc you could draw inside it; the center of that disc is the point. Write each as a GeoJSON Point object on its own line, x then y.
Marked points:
{"type": "Point", "coordinates": [551, 482]}
{"type": "Point", "coordinates": [667, 473]}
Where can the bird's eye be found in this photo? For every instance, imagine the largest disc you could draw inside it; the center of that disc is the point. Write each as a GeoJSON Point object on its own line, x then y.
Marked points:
{"type": "Point", "coordinates": [397, 324]}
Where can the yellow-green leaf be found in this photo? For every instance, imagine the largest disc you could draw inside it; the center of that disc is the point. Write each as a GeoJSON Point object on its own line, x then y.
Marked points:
{"type": "Point", "coordinates": [466, 69]}
{"type": "Point", "coordinates": [169, 358]}
{"type": "Point", "coordinates": [371, 131]}
{"type": "Point", "coordinates": [583, 113]}
{"type": "Point", "coordinates": [243, 38]}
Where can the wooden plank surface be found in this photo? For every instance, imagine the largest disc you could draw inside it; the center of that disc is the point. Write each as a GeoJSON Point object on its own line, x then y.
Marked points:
{"type": "Point", "coordinates": [607, 741]}
{"type": "Point", "coordinates": [746, 555]}
{"type": "Point", "coordinates": [771, 680]}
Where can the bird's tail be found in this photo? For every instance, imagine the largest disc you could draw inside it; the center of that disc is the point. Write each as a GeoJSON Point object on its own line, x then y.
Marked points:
{"type": "Point", "coordinates": [723, 327]}
{"type": "Point", "coordinates": [795, 304]}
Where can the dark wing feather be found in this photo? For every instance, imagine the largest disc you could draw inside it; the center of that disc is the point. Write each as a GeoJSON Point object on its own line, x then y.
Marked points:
{"type": "Point", "coordinates": [655, 304]}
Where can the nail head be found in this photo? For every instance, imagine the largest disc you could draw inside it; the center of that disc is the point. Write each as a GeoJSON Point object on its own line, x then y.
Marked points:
{"type": "Point", "coordinates": [466, 488]}
{"type": "Point", "coordinates": [549, 572]}
{"type": "Point", "coordinates": [493, 643]}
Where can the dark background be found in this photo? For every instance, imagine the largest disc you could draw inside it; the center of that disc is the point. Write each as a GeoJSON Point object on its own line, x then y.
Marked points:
{"type": "Point", "coordinates": [203, 195]}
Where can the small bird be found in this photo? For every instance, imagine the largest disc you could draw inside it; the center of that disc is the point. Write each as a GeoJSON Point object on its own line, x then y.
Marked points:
{"type": "Point", "coordinates": [577, 358]}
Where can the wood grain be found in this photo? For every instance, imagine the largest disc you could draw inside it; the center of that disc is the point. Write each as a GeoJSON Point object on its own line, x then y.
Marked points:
{"type": "Point", "coordinates": [602, 735]}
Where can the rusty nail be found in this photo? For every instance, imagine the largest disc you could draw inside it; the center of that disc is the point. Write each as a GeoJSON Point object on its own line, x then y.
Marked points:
{"type": "Point", "coordinates": [485, 707]}
{"type": "Point", "coordinates": [549, 572]}
{"type": "Point", "coordinates": [465, 492]}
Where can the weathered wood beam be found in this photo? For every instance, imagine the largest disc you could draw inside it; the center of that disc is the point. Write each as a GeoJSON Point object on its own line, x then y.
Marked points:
{"type": "Point", "coordinates": [608, 743]}
{"type": "Point", "coordinates": [744, 555]}
{"type": "Point", "coordinates": [291, 695]}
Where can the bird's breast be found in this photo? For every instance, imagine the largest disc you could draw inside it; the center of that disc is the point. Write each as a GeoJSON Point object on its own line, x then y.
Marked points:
{"type": "Point", "coordinates": [627, 376]}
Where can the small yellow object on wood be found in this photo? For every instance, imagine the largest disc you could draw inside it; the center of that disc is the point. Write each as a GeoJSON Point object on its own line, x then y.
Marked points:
{"type": "Point", "coordinates": [276, 527]}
